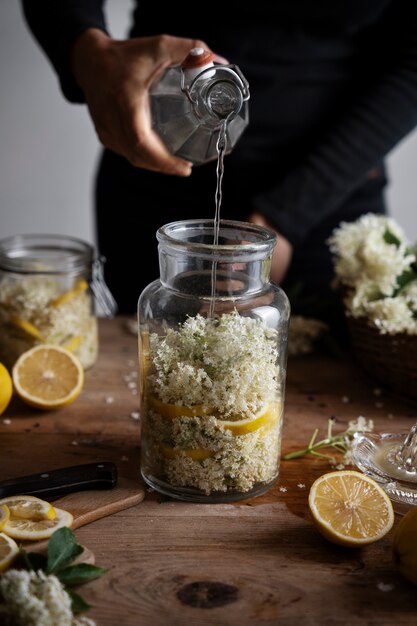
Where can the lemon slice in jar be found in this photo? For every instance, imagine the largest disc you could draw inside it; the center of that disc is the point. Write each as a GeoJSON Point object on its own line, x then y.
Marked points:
{"type": "Point", "coordinates": [81, 286]}
{"type": "Point", "coordinates": [197, 454]}
{"type": "Point", "coordinates": [26, 326]}
{"type": "Point", "coordinates": [266, 417]}
{"type": "Point", "coordinates": [173, 411]}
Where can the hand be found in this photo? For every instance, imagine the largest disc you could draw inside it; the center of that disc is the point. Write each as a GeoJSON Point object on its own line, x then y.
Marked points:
{"type": "Point", "coordinates": [281, 257]}
{"type": "Point", "coordinates": [115, 77]}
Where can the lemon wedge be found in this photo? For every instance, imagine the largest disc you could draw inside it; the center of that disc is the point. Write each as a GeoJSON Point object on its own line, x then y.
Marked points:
{"type": "Point", "coordinates": [197, 454]}
{"type": "Point", "coordinates": [264, 418]}
{"type": "Point", "coordinates": [4, 515]}
{"type": "Point", "coordinates": [8, 551]}
{"type": "Point", "coordinates": [48, 377]}
{"type": "Point", "coordinates": [350, 509]}
{"type": "Point", "coordinates": [81, 286]}
{"type": "Point", "coordinates": [6, 388]}
{"type": "Point", "coordinates": [28, 507]}
{"type": "Point", "coordinates": [30, 529]}
{"type": "Point", "coordinates": [26, 326]}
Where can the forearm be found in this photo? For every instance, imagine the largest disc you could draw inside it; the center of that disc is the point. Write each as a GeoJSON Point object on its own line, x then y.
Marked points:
{"type": "Point", "coordinates": [56, 24]}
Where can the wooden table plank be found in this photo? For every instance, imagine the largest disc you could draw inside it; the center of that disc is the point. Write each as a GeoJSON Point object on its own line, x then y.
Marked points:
{"type": "Point", "coordinates": [260, 561]}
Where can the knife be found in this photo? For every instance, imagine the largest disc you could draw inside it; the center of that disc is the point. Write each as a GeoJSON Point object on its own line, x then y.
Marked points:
{"type": "Point", "coordinates": [58, 482]}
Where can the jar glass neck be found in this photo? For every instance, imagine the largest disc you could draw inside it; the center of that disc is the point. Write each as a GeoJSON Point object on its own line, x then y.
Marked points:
{"type": "Point", "coordinates": [239, 265]}
{"type": "Point", "coordinates": [45, 254]}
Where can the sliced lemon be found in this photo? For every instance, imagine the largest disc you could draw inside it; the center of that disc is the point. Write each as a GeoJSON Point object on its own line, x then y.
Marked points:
{"type": "Point", "coordinates": [6, 388]}
{"type": "Point", "coordinates": [349, 508]}
{"type": "Point", "coordinates": [8, 551]}
{"type": "Point", "coordinates": [28, 507]}
{"type": "Point", "coordinates": [48, 377]}
{"type": "Point", "coordinates": [265, 418]}
{"type": "Point", "coordinates": [197, 454]}
{"type": "Point", "coordinates": [4, 515]}
{"type": "Point", "coordinates": [81, 286]}
{"type": "Point", "coordinates": [20, 528]}
{"type": "Point", "coordinates": [26, 326]}
{"type": "Point", "coordinates": [174, 411]}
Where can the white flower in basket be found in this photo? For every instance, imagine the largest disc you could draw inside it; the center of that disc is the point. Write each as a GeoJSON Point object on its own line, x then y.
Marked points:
{"type": "Point", "coordinates": [376, 269]}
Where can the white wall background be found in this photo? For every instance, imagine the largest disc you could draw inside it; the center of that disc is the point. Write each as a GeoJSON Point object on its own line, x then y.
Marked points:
{"type": "Point", "coordinates": [48, 147]}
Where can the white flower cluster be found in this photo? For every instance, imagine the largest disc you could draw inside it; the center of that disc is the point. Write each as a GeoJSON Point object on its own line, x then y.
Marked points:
{"type": "Point", "coordinates": [36, 599]}
{"type": "Point", "coordinates": [376, 265]}
{"type": "Point", "coordinates": [227, 363]}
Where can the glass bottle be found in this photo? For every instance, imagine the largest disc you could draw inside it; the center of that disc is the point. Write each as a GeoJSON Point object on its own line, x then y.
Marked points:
{"type": "Point", "coordinates": [49, 286]}
{"type": "Point", "coordinates": [213, 337]}
{"type": "Point", "coordinates": [191, 101]}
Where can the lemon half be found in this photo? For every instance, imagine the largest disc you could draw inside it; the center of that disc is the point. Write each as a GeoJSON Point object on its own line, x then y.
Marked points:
{"type": "Point", "coordinates": [350, 509]}
{"type": "Point", "coordinates": [48, 376]}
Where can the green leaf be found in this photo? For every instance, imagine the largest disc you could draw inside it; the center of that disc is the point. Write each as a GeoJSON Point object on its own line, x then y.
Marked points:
{"type": "Point", "coordinates": [389, 237]}
{"type": "Point", "coordinates": [80, 573]}
{"type": "Point", "coordinates": [78, 604]}
{"type": "Point", "coordinates": [62, 549]}
{"type": "Point", "coordinates": [405, 279]}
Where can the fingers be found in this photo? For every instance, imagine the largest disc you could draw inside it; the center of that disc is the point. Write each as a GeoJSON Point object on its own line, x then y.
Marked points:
{"type": "Point", "coordinates": [174, 49]}
{"type": "Point", "coordinates": [145, 148]}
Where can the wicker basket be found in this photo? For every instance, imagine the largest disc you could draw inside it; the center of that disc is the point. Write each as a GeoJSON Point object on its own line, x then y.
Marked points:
{"type": "Point", "coordinates": [388, 359]}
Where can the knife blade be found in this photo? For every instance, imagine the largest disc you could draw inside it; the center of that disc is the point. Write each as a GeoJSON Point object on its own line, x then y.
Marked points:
{"type": "Point", "coordinates": [58, 482]}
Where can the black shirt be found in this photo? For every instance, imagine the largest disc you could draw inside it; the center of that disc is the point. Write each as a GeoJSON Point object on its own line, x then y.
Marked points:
{"type": "Point", "coordinates": [334, 87]}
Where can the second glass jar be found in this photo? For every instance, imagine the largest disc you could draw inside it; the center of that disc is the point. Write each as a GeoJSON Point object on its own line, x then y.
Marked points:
{"type": "Point", "coordinates": [213, 337]}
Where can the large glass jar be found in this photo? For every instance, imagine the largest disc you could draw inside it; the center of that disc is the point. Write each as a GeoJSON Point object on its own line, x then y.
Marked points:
{"type": "Point", "coordinates": [46, 296]}
{"type": "Point", "coordinates": [212, 348]}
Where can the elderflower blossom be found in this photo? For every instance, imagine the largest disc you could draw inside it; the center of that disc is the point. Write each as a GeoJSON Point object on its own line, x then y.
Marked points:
{"type": "Point", "coordinates": [36, 599]}
{"type": "Point", "coordinates": [228, 363]}
{"type": "Point", "coordinates": [220, 379]}
{"type": "Point", "coordinates": [374, 261]}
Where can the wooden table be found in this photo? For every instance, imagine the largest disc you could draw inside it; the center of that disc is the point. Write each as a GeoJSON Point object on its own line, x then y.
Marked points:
{"type": "Point", "coordinates": [257, 562]}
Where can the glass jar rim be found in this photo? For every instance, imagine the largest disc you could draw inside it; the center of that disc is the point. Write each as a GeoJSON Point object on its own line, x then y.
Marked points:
{"type": "Point", "coordinates": [45, 254]}
{"type": "Point", "coordinates": [257, 240]}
